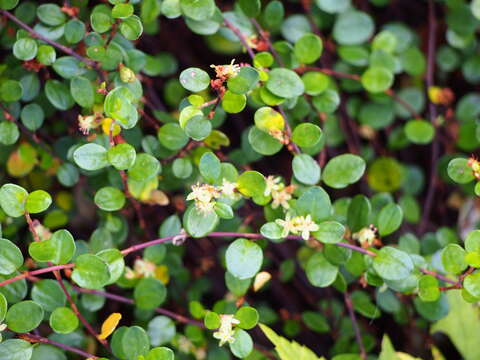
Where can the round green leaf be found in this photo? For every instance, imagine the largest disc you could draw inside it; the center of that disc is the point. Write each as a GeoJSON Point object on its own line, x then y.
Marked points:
{"type": "Point", "coordinates": [82, 91]}
{"type": "Point", "coordinates": [243, 258]}
{"type": "Point", "coordinates": [9, 133]}
{"type": "Point", "coordinates": [285, 83]}
{"type": "Point", "coordinates": [48, 294]}
{"type": "Point", "coordinates": [308, 48]}
{"type": "Point", "coordinates": [245, 81]}
{"type": "Point", "coordinates": [212, 320]}
{"type": "Point", "coordinates": [149, 293]}
{"type": "Point", "coordinates": [12, 199]}
{"type": "Point", "coordinates": [320, 272]}
{"type": "Point", "coordinates": [453, 259]}
{"type": "Point", "coordinates": [353, 27]}
{"type": "Point", "coordinates": [24, 316]}
{"type": "Point", "coordinates": [32, 116]}
{"type": "Point", "coordinates": [459, 171]}
{"type": "Point", "coordinates": [131, 27]}
{"type": "Point", "coordinates": [306, 169]}
{"type": "Point", "coordinates": [419, 131]}
{"type": "Point", "coordinates": [135, 342]}
{"type": "Point", "coordinates": [11, 257]}
{"type": "Point", "coordinates": [172, 136]}
{"type": "Point", "coordinates": [330, 232]}
{"type": "Point", "coordinates": [233, 103]}
{"type": "Point", "coordinates": [262, 142]}
{"type": "Point", "coordinates": [389, 219]}
{"type": "Point", "coordinates": [306, 135]}
{"type": "Point", "coordinates": [267, 119]}
{"type": "Point", "coordinates": [121, 156]}
{"type": "Point", "coordinates": [21, 349]}
{"type": "Point", "coordinates": [248, 317]}
{"type": "Point", "coordinates": [25, 49]}
{"type": "Point", "coordinates": [160, 353]}
{"type": "Point", "coordinates": [58, 94]}
{"type": "Point", "coordinates": [63, 320]}
{"type": "Point", "coordinates": [51, 14]}
{"type": "Point", "coordinates": [377, 79]}
{"type": "Point", "coordinates": [91, 156]}
{"type": "Point", "coordinates": [199, 224]}
{"type": "Point", "coordinates": [392, 264]}
{"type": "Point", "coordinates": [90, 272]}
{"type": "Point", "coordinates": [198, 9]}
{"type": "Point", "coordinates": [471, 283]}
{"type": "Point", "coordinates": [243, 344]}
{"type": "Point", "coordinates": [343, 170]}
{"type": "Point", "coordinates": [38, 201]}
{"type": "Point", "coordinates": [11, 90]}
{"type": "Point", "coordinates": [194, 79]}
{"type": "Point", "coordinates": [109, 198]}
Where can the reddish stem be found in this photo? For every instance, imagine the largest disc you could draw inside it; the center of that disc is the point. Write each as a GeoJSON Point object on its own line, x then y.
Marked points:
{"type": "Point", "coordinates": [240, 36]}
{"type": "Point", "coordinates": [38, 339]}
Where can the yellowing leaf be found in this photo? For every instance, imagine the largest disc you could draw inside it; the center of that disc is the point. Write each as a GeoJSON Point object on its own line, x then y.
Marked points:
{"type": "Point", "coordinates": [161, 273]}
{"type": "Point", "coordinates": [260, 280]}
{"type": "Point", "coordinates": [109, 325]}
{"type": "Point", "coordinates": [288, 350]}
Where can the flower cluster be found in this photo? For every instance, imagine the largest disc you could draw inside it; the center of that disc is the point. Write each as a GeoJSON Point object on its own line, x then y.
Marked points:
{"type": "Point", "coordinates": [280, 193]}
{"type": "Point", "coordinates": [144, 269]}
{"type": "Point", "coordinates": [225, 72]}
{"type": "Point", "coordinates": [225, 331]}
{"type": "Point", "coordinates": [474, 164]}
{"type": "Point", "coordinates": [303, 225]}
{"type": "Point", "coordinates": [205, 195]}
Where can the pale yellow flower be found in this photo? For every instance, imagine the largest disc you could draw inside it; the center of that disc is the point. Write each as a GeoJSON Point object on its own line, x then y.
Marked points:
{"type": "Point", "coordinates": [272, 183]}
{"type": "Point", "coordinates": [281, 198]}
{"type": "Point", "coordinates": [228, 188]}
{"type": "Point", "coordinates": [305, 225]}
{"type": "Point", "coordinates": [288, 225]}
{"type": "Point", "coordinates": [225, 332]}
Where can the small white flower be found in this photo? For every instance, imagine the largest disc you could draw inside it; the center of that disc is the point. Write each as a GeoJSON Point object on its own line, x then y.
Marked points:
{"type": "Point", "coordinates": [272, 184]}
{"type": "Point", "coordinates": [204, 196]}
{"type": "Point", "coordinates": [305, 225]}
{"type": "Point", "coordinates": [287, 225]}
{"type": "Point", "coordinates": [225, 331]}
{"type": "Point", "coordinates": [281, 198]}
{"type": "Point", "coordinates": [228, 188]}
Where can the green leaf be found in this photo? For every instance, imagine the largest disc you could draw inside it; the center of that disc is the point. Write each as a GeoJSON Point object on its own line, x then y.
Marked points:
{"type": "Point", "coordinates": [243, 258]}
{"type": "Point", "coordinates": [74, 31]}
{"type": "Point", "coordinates": [9, 133]}
{"type": "Point", "coordinates": [363, 305]}
{"type": "Point", "coordinates": [3, 307]}
{"type": "Point", "coordinates": [308, 48]}
{"type": "Point", "coordinates": [460, 323]}
{"type": "Point", "coordinates": [315, 321]}
{"type": "Point", "coordinates": [135, 342]}
{"type": "Point", "coordinates": [131, 27]}
{"type": "Point", "coordinates": [63, 320]}
{"type": "Point", "coordinates": [122, 11]}
{"type": "Point", "coordinates": [15, 349]}
{"type": "Point", "coordinates": [121, 156]}
{"type": "Point", "coordinates": [233, 103]}
{"type": "Point", "coordinates": [198, 9]}
{"type": "Point", "coordinates": [243, 344]}
{"type": "Point", "coordinates": [32, 116]}
{"type": "Point", "coordinates": [252, 184]}
{"type": "Point", "coordinates": [25, 49]}
{"type": "Point", "coordinates": [316, 203]}
{"type": "Point", "coordinates": [24, 316]}
{"type": "Point", "coordinates": [343, 170]}
{"type": "Point", "coordinates": [320, 272]}
{"type": "Point", "coordinates": [329, 232]}
{"type": "Point", "coordinates": [194, 79]}
{"type": "Point", "coordinates": [51, 14]}
{"type": "Point", "coordinates": [199, 224]}
{"type": "Point", "coordinates": [248, 317]}
{"type": "Point", "coordinates": [262, 142]}
{"type": "Point", "coordinates": [46, 54]}
{"type": "Point", "coordinates": [389, 219]}
{"type": "Point", "coordinates": [251, 8]}
{"type": "Point", "coordinates": [161, 330]}
{"type": "Point", "coordinates": [453, 259]}
{"type": "Point", "coordinates": [472, 284]}
{"type": "Point", "coordinates": [377, 79]}
{"type": "Point", "coordinates": [307, 135]}
{"type": "Point", "coordinates": [428, 288]}
{"type": "Point", "coordinates": [90, 272]}
{"type": "Point", "coordinates": [59, 249]}
{"type": "Point", "coordinates": [12, 199]}
{"type": "Point", "coordinates": [146, 167]}
{"type": "Point", "coordinates": [306, 169]}
{"type": "Point", "coordinates": [172, 136]}
{"type": "Point", "coordinates": [11, 257]}
{"type": "Point", "coordinates": [267, 119]}
{"type": "Point", "coordinates": [11, 90]}
{"type": "Point", "coordinates": [58, 94]}
{"type": "Point", "coordinates": [48, 294]}
{"type": "Point", "coordinates": [353, 27]}
{"type": "Point", "coordinates": [288, 350]}
{"type": "Point", "coordinates": [392, 264]}
{"type": "Point", "coordinates": [285, 83]}
{"type": "Point", "coordinates": [38, 201]}
{"type": "Point", "coordinates": [245, 81]}
{"type": "Point", "coordinates": [149, 293]}
{"type": "Point", "coordinates": [109, 198]}
{"type": "Point", "coordinates": [459, 171]}
{"type": "Point", "coordinates": [82, 91]}
{"type": "Point", "coordinates": [160, 353]}
{"type": "Point", "coordinates": [8, 5]}
{"type": "Point", "coordinates": [91, 156]}
{"type": "Point", "coordinates": [419, 131]}
{"type": "Point", "coordinates": [119, 106]}
{"type": "Point", "coordinates": [212, 320]}
{"type": "Point", "coordinates": [333, 6]}
{"type": "Point", "coordinates": [116, 264]}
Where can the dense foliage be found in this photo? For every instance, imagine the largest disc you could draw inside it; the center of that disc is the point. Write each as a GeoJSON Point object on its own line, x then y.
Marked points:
{"type": "Point", "coordinates": [255, 179]}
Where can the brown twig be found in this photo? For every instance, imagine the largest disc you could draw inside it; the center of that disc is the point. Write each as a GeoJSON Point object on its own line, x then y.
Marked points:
{"type": "Point", "coordinates": [240, 36]}
{"type": "Point", "coordinates": [177, 317]}
{"type": "Point", "coordinates": [356, 329]}
{"type": "Point", "coordinates": [38, 339]}
{"type": "Point", "coordinates": [432, 27]}
{"type": "Point", "coordinates": [265, 38]}
{"type": "Point", "coordinates": [294, 147]}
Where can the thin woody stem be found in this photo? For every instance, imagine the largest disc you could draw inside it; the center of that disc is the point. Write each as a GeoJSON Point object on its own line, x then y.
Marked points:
{"type": "Point", "coordinates": [356, 329]}
{"type": "Point", "coordinates": [261, 32]}
{"type": "Point", "coordinates": [27, 274]}
{"type": "Point", "coordinates": [38, 339]}
{"type": "Point", "coordinates": [38, 36]}
{"type": "Point", "coordinates": [240, 36]}
{"type": "Point", "coordinates": [119, 298]}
